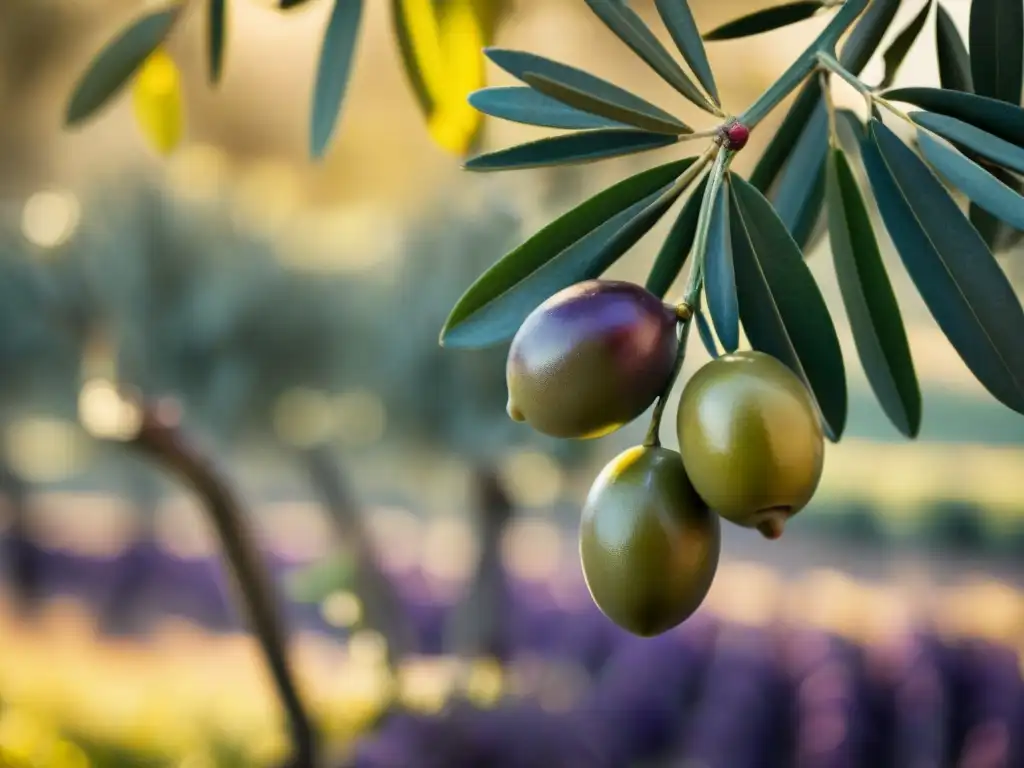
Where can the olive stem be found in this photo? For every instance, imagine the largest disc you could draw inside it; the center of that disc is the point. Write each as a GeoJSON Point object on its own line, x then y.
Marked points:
{"type": "Point", "coordinates": [831, 64]}
{"type": "Point", "coordinates": [694, 284]}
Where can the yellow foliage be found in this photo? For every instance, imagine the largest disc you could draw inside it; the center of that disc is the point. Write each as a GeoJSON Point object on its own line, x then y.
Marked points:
{"type": "Point", "coordinates": [444, 59]}
{"type": "Point", "coordinates": [158, 102]}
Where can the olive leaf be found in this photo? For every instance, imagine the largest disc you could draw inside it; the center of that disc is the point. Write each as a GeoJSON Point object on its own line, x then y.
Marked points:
{"type": "Point", "coordinates": [525, 105]}
{"type": "Point", "coordinates": [954, 271]}
{"type": "Point", "coordinates": [996, 36]}
{"type": "Point", "coordinates": [596, 105]}
{"type": "Point", "coordinates": [765, 20]}
{"type": "Point", "coordinates": [799, 203]}
{"type": "Point", "coordinates": [996, 234]}
{"type": "Point", "coordinates": [980, 186]}
{"type": "Point", "coordinates": [216, 31]}
{"type": "Point", "coordinates": [677, 246]}
{"type": "Point", "coordinates": [870, 302]}
{"type": "Point", "coordinates": [719, 274]}
{"type": "Point", "coordinates": [781, 307]}
{"type": "Point", "coordinates": [121, 58]}
{"type": "Point", "coordinates": [979, 142]}
{"type": "Point", "coordinates": [707, 338]}
{"type": "Point", "coordinates": [996, 117]}
{"type": "Point", "coordinates": [333, 72]}
{"type": "Point", "coordinates": [526, 66]}
{"type": "Point", "coordinates": [679, 21]}
{"type": "Point", "coordinates": [954, 63]}
{"type": "Point", "coordinates": [571, 248]}
{"type": "Point", "coordinates": [900, 47]}
{"type": "Point", "coordinates": [630, 29]}
{"type": "Point", "coordinates": [584, 147]}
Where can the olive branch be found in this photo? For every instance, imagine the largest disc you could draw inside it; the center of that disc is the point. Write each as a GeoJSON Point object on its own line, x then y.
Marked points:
{"type": "Point", "coordinates": [747, 238]}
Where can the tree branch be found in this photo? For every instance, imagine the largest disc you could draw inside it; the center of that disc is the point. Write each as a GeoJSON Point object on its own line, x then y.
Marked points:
{"type": "Point", "coordinates": [161, 438]}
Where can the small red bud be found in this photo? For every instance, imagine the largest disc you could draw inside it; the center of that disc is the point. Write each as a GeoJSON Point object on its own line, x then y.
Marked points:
{"type": "Point", "coordinates": [736, 136]}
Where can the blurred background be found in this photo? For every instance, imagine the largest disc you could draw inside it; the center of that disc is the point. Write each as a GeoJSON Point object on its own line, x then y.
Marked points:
{"type": "Point", "coordinates": [424, 545]}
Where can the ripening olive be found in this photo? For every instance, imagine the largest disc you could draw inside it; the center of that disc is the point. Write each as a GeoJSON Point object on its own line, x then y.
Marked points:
{"type": "Point", "coordinates": [648, 543]}
{"type": "Point", "coordinates": [590, 359]}
{"type": "Point", "coordinates": [751, 440]}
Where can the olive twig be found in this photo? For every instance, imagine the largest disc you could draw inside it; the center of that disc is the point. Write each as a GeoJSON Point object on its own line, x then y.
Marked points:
{"type": "Point", "coordinates": [831, 64]}
{"type": "Point", "coordinates": [694, 286]}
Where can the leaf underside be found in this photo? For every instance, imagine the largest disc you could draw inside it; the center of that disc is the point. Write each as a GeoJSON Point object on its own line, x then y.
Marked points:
{"type": "Point", "coordinates": [584, 147]}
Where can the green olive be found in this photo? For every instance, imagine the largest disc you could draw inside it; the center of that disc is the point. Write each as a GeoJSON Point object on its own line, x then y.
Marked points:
{"type": "Point", "coordinates": [648, 543]}
{"type": "Point", "coordinates": [590, 359]}
{"type": "Point", "coordinates": [751, 440]}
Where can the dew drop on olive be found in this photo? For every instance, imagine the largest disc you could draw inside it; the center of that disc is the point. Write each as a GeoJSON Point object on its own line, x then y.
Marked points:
{"type": "Point", "coordinates": [751, 440]}
{"type": "Point", "coordinates": [590, 359]}
{"type": "Point", "coordinates": [648, 544]}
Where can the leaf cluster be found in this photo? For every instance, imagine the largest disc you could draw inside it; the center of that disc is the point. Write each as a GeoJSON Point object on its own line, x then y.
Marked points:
{"type": "Point", "coordinates": [438, 40]}
{"type": "Point", "coordinates": [745, 240]}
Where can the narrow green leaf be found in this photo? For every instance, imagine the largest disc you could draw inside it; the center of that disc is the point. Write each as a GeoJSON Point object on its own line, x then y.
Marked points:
{"type": "Point", "coordinates": [800, 193]}
{"type": "Point", "coordinates": [955, 273]}
{"type": "Point", "coordinates": [520, 65]}
{"type": "Point", "coordinates": [868, 34]}
{"type": "Point", "coordinates": [860, 46]}
{"type": "Point", "coordinates": [780, 147]}
{"type": "Point", "coordinates": [707, 338]}
{"type": "Point", "coordinates": [997, 235]}
{"type": "Point", "coordinates": [585, 147]}
{"type": "Point", "coordinates": [719, 274]}
{"type": "Point", "coordinates": [316, 582]}
{"type": "Point", "coordinates": [680, 24]}
{"type": "Point", "coordinates": [979, 142]}
{"type": "Point", "coordinates": [677, 246]}
{"type": "Point", "coordinates": [560, 254]}
{"type": "Point", "coordinates": [980, 186]}
{"type": "Point", "coordinates": [407, 51]}
{"type": "Point", "coordinates": [870, 302]}
{"type": "Point", "coordinates": [630, 29]}
{"type": "Point", "coordinates": [522, 104]}
{"type": "Point", "coordinates": [996, 35]}
{"type": "Point", "coordinates": [997, 117]}
{"type": "Point", "coordinates": [595, 105]}
{"type": "Point", "coordinates": [781, 307]}
{"type": "Point", "coordinates": [811, 225]}
{"type": "Point", "coordinates": [954, 62]}
{"type": "Point", "coordinates": [900, 47]}
{"type": "Point", "coordinates": [114, 66]}
{"type": "Point", "coordinates": [285, 5]}
{"type": "Point", "coordinates": [216, 31]}
{"type": "Point", "coordinates": [764, 20]}
{"type": "Point", "coordinates": [333, 72]}
{"type": "Point", "coordinates": [851, 131]}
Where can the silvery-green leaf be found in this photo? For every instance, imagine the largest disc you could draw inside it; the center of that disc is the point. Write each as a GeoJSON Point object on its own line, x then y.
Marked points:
{"type": "Point", "coordinates": [954, 271]}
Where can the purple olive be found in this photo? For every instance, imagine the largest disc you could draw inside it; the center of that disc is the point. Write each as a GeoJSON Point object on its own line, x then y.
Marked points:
{"type": "Point", "coordinates": [591, 359]}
